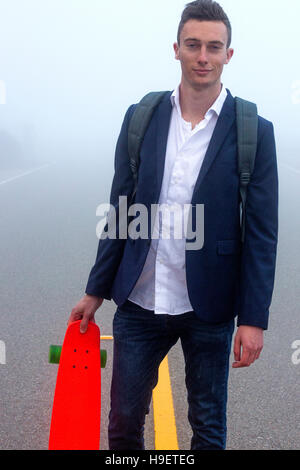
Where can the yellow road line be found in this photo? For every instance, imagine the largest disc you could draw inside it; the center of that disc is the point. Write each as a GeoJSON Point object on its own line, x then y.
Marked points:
{"type": "Point", "coordinates": [163, 409]}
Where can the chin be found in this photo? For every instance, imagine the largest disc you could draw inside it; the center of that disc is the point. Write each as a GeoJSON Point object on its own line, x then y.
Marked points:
{"type": "Point", "coordinates": [202, 84]}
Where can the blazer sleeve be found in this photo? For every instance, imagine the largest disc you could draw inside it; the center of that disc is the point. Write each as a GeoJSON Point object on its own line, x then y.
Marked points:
{"type": "Point", "coordinates": [258, 259]}
{"type": "Point", "coordinates": [110, 250]}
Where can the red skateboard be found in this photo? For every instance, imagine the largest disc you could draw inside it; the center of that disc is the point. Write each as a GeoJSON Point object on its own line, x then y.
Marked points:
{"type": "Point", "coordinates": [75, 423]}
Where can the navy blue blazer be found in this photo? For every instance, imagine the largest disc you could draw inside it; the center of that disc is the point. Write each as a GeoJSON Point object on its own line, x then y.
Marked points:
{"type": "Point", "coordinates": [225, 279]}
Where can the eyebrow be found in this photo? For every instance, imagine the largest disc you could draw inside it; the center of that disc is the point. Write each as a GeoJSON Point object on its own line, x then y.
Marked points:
{"type": "Point", "coordinates": [220, 43]}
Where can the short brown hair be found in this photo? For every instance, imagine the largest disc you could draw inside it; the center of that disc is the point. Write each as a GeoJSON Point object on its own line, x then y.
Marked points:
{"type": "Point", "coordinates": [205, 10]}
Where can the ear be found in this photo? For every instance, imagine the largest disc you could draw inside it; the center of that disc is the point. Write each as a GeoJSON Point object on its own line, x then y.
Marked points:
{"type": "Point", "coordinates": [229, 54]}
{"type": "Point", "coordinates": [176, 50]}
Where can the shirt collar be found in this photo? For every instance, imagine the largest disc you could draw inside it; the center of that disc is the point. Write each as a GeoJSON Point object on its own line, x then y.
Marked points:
{"type": "Point", "coordinates": [217, 105]}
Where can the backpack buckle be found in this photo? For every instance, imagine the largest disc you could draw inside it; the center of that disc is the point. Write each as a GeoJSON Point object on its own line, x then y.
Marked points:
{"type": "Point", "coordinates": [245, 179]}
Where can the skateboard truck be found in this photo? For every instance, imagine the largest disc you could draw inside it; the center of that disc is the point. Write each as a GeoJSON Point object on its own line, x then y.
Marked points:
{"type": "Point", "coordinates": [55, 352]}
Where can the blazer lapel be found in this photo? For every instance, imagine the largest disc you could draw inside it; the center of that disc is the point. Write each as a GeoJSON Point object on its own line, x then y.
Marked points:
{"type": "Point", "coordinates": [223, 126]}
{"type": "Point", "coordinates": [163, 124]}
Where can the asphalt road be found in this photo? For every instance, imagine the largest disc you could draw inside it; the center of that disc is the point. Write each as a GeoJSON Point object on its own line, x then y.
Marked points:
{"type": "Point", "coordinates": [48, 245]}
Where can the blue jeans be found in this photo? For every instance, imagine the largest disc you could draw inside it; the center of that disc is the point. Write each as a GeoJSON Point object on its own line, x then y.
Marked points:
{"type": "Point", "coordinates": [141, 341]}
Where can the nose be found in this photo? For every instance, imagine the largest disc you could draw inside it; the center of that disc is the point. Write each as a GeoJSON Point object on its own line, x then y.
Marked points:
{"type": "Point", "coordinates": [202, 57]}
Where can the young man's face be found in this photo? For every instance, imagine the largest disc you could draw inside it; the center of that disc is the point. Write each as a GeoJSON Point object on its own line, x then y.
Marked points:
{"type": "Point", "coordinates": [203, 53]}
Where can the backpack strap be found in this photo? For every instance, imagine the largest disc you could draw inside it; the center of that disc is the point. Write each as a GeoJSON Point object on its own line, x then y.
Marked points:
{"type": "Point", "coordinates": [137, 129]}
{"type": "Point", "coordinates": [247, 127]}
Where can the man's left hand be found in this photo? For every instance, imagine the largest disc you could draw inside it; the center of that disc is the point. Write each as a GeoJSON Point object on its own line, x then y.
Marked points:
{"type": "Point", "coordinates": [248, 345]}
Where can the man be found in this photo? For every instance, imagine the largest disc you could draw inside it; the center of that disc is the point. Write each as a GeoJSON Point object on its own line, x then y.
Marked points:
{"type": "Point", "coordinates": [164, 291]}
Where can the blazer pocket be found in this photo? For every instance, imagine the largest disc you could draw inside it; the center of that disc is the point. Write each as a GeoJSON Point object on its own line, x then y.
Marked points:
{"type": "Point", "coordinates": [228, 247]}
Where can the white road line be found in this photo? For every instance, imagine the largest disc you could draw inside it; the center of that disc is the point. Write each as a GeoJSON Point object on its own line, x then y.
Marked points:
{"type": "Point", "coordinates": [291, 168]}
{"type": "Point", "coordinates": [24, 174]}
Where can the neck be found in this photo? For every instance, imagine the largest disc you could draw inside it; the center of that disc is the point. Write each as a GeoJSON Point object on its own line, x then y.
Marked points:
{"type": "Point", "coordinates": [195, 103]}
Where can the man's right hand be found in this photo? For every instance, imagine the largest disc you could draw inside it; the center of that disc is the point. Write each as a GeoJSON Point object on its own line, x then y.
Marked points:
{"type": "Point", "coordinates": [85, 311]}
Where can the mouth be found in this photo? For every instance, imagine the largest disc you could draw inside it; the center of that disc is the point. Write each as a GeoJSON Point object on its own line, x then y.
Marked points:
{"type": "Point", "coordinates": [202, 71]}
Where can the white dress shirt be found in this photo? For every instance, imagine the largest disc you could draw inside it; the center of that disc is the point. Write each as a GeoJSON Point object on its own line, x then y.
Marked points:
{"type": "Point", "coordinates": [162, 285]}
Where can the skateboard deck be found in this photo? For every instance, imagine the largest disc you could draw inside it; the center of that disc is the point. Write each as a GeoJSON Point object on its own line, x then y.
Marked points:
{"type": "Point", "coordinates": [75, 422]}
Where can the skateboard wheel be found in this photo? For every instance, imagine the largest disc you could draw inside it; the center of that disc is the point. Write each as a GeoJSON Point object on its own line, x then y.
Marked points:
{"type": "Point", "coordinates": [103, 358]}
{"type": "Point", "coordinates": [54, 354]}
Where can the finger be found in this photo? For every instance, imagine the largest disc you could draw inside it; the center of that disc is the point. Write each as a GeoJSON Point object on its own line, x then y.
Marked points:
{"type": "Point", "coordinates": [254, 355]}
{"type": "Point", "coordinates": [237, 349]}
{"type": "Point", "coordinates": [246, 360]}
{"type": "Point", "coordinates": [75, 316]}
{"type": "Point", "coordinates": [84, 324]}
{"type": "Point", "coordinates": [258, 353]}
{"type": "Point", "coordinates": [252, 358]}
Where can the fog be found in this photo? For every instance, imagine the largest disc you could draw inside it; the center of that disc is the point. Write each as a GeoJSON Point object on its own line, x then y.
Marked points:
{"type": "Point", "coordinates": [69, 69]}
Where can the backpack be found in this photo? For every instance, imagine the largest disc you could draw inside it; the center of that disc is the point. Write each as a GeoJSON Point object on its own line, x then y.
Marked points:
{"type": "Point", "coordinates": [247, 126]}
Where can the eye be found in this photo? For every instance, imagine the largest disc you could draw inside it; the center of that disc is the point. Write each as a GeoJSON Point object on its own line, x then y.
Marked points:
{"type": "Point", "coordinates": [192, 45]}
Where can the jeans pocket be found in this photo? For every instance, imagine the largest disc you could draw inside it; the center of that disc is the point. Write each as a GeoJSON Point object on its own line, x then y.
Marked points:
{"type": "Point", "coordinates": [130, 307]}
